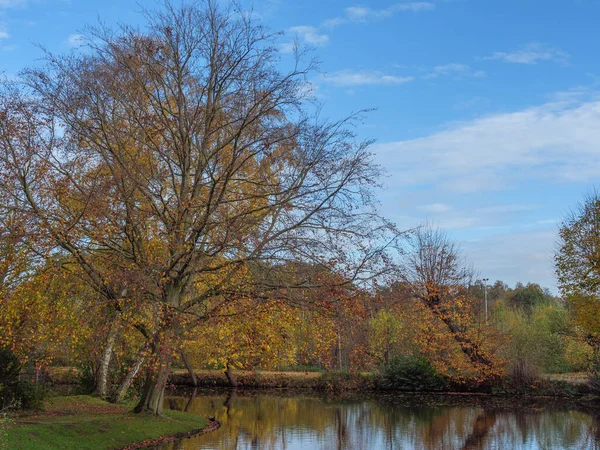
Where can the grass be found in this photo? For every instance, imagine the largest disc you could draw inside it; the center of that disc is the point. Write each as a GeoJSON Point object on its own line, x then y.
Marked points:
{"type": "Point", "coordinates": [88, 423]}
{"type": "Point", "coordinates": [572, 377]}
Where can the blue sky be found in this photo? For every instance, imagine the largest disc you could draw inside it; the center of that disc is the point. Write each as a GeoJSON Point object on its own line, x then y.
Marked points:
{"type": "Point", "coordinates": [488, 112]}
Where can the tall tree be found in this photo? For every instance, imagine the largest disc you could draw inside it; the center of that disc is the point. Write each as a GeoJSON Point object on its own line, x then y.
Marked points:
{"type": "Point", "coordinates": [439, 280]}
{"type": "Point", "coordinates": [578, 264]}
{"type": "Point", "coordinates": [181, 170]}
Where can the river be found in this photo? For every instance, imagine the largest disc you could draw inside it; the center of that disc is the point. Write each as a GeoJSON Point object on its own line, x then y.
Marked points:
{"type": "Point", "coordinates": [290, 421]}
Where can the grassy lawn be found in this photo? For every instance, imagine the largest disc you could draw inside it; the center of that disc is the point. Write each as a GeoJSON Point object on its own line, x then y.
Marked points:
{"type": "Point", "coordinates": [83, 422]}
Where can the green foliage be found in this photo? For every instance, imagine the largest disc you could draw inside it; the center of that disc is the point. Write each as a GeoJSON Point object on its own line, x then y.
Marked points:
{"type": "Point", "coordinates": [578, 354]}
{"type": "Point", "coordinates": [412, 374]}
{"type": "Point", "coordinates": [541, 387]}
{"type": "Point", "coordinates": [535, 340]}
{"type": "Point", "coordinates": [10, 369]}
{"type": "Point", "coordinates": [578, 264]}
{"type": "Point", "coordinates": [5, 424]}
{"type": "Point", "coordinates": [528, 297]}
{"type": "Point", "coordinates": [551, 323]}
{"type": "Point", "coordinates": [385, 335]}
{"type": "Point", "coordinates": [16, 393]}
{"type": "Point", "coordinates": [594, 373]}
{"type": "Point", "coordinates": [31, 395]}
{"type": "Point", "coordinates": [343, 381]}
{"type": "Point", "coordinates": [86, 378]}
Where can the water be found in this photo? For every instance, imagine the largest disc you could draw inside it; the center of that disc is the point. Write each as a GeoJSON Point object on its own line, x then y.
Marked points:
{"type": "Point", "coordinates": [283, 420]}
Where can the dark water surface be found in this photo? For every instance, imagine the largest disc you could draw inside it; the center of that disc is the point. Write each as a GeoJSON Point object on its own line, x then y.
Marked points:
{"type": "Point", "coordinates": [284, 420]}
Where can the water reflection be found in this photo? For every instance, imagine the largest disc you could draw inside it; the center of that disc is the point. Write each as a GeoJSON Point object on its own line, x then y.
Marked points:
{"type": "Point", "coordinates": [283, 421]}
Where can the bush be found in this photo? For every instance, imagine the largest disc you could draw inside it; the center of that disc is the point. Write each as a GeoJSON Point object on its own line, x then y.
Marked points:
{"type": "Point", "coordinates": [412, 374]}
{"type": "Point", "coordinates": [86, 378]}
{"type": "Point", "coordinates": [10, 369]}
{"type": "Point", "coordinates": [578, 355]}
{"type": "Point", "coordinates": [594, 373]}
{"type": "Point", "coordinates": [339, 381]}
{"type": "Point", "coordinates": [31, 395]}
{"type": "Point", "coordinates": [15, 393]}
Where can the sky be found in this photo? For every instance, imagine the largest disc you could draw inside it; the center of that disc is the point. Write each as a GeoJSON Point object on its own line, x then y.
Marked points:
{"type": "Point", "coordinates": [486, 113]}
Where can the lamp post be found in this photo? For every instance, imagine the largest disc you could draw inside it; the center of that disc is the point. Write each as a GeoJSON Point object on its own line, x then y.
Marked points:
{"type": "Point", "coordinates": [485, 280]}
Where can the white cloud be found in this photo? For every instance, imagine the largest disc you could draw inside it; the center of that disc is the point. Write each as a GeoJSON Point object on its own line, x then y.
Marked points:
{"type": "Point", "coordinates": [364, 77]}
{"type": "Point", "coordinates": [310, 35]}
{"type": "Point", "coordinates": [304, 34]}
{"type": "Point", "coordinates": [455, 70]}
{"type": "Point", "coordinates": [557, 141]}
{"type": "Point", "coordinates": [287, 47]}
{"type": "Point", "coordinates": [364, 14]}
{"type": "Point", "coordinates": [357, 13]}
{"type": "Point", "coordinates": [75, 40]}
{"type": "Point", "coordinates": [531, 54]}
{"type": "Point", "coordinates": [435, 208]}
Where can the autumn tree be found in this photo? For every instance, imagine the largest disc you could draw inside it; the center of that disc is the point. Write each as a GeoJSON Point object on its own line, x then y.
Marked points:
{"type": "Point", "coordinates": [578, 264]}
{"type": "Point", "coordinates": [439, 281]}
{"type": "Point", "coordinates": [578, 271]}
{"type": "Point", "coordinates": [178, 166]}
{"type": "Point", "coordinates": [246, 336]}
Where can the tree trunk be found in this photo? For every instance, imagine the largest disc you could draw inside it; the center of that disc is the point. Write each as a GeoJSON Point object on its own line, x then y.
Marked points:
{"type": "Point", "coordinates": [159, 370]}
{"type": "Point", "coordinates": [102, 377]}
{"type": "Point", "coordinates": [153, 392]}
{"type": "Point", "coordinates": [230, 377]}
{"type": "Point", "coordinates": [126, 382]}
{"type": "Point", "coordinates": [189, 367]}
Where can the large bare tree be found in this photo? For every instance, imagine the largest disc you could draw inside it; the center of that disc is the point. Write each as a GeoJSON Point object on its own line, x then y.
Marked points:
{"type": "Point", "coordinates": [179, 169]}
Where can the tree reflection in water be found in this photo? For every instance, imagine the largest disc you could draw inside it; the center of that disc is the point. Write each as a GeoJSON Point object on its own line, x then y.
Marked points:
{"type": "Point", "coordinates": [267, 420]}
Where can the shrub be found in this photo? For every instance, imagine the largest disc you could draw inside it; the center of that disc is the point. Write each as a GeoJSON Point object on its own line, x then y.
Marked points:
{"type": "Point", "coordinates": [15, 393]}
{"type": "Point", "coordinates": [578, 355]}
{"type": "Point", "coordinates": [30, 395]}
{"type": "Point", "coordinates": [594, 373]}
{"type": "Point", "coordinates": [411, 373]}
{"type": "Point", "coordinates": [10, 369]}
{"type": "Point", "coordinates": [524, 371]}
{"type": "Point", "coordinates": [338, 381]}
{"type": "Point", "coordinates": [86, 378]}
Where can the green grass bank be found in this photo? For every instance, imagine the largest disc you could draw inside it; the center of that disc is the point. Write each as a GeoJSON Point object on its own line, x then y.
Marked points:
{"type": "Point", "coordinates": [88, 423]}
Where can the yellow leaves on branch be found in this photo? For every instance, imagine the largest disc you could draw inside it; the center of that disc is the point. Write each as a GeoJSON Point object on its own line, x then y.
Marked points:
{"type": "Point", "coordinates": [246, 335]}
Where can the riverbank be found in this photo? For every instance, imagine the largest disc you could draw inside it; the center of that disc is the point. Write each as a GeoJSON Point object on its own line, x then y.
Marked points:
{"type": "Point", "coordinates": [566, 385]}
{"type": "Point", "coordinates": [551, 385]}
{"type": "Point", "coordinates": [88, 423]}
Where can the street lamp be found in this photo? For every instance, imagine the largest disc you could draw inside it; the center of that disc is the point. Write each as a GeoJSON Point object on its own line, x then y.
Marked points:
{"type": "Point", "coordinates": [485, 280]}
